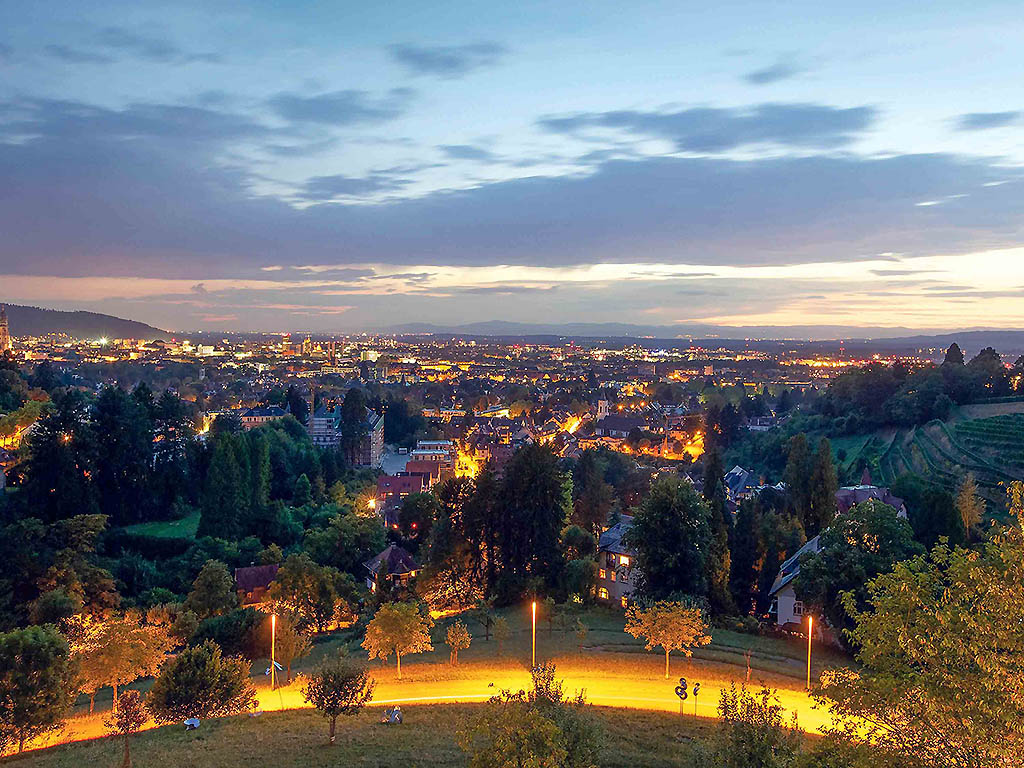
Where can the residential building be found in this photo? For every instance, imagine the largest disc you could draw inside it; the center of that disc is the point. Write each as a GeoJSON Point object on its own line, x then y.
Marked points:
{"type": "Point", "coordinates": [5, 332]}
{"type": "Point", "coordinates": [254, 417]}
{"type": "Point", "coordinates": [617, 572]}
{"type": "Point", "coordinates": [394, 565]}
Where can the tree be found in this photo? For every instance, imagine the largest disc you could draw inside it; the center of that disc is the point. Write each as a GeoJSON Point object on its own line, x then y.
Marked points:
{"type": "Point", "coordinates": [502, 632]}
{"type": "Point", "coordinates": [201, 682]}
{"type": "Point", "coordinates": [223, 499]}
{"type": "Point", "coordinates": [866, 541]}
{"type": "Point", "coordinates": [123, 468]}
{"type": "Point", "coordinates": [417, 515]}
{"type": "Point", "coordinates": [595, 497]}
{"type": "Point", "coordinates": [939, 645]}
{"type": "Point", "coordinates": [669, 625]}
{"type": "Point", "coordinates": [458, 639]}
{"type": "Point", "coordinates": [129, 716]}
{"type": "Point", "coordinates": [970, 505]}
{"type": "Point", "coordinates": [303, 491]}
{"type": "Point", "coordinates": [537, 499]}
{"type": "Point", "coordinates": [338, 687]}
{"type": "Point", "coordinates": [36, 683]}
{"type": "Point", "coordinates": [954, 355]}
{"type": "Point", "coordinates": [746, 555]}
{"type": "Point", "coordinates": [398, 628]}
{"type": "Point", "coordinates": [824, 485]}
{"type": "Point", "coordinates": [291, 644]}
{"type": "Point", "coordinates": [313, 594]}
{"type": "Point", "coordinates": [213, 592]}
{"type": "Point", "coordinates": [671, 534]}
{"type": "Point", "coordinates": [118, 653]}
{"type": "Point", "coordinates": [797, 476]}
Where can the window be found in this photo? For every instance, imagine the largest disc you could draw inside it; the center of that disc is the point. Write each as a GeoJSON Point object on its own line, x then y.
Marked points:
{"type": "Point", "coordinates": [602, 593]}
{"type": "Point", "coordinates": [624, 601]}
{"type": "Point", "coordinates": [798, 608]}
{"type": "Point", "coordinates": [624, 561]}
{"type": "Point", "coordinates": [602, 573]}
{"type": "Point", "coordinates": [611, 575]}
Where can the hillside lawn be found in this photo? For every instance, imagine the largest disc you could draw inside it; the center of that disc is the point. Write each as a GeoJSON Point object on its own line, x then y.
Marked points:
{"type": "Point", "coordinates": [183, 528]}
{"type": "Point", "coordinates": [298, 739]}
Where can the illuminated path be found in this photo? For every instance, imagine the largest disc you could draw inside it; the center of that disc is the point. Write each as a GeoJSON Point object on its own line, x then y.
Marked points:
{"type": "Point", "coordinates": [474, 682]}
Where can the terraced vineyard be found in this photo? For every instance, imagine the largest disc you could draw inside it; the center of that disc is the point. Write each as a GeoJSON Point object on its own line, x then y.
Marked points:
{"type": "Point", "coordinates": [991, 447]}
{"type": "Point", "coordinates": [999, 438]}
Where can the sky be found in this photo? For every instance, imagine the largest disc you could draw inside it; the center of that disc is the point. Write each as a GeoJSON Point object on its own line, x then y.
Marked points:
{"type": "Point", "coordinates": [349, 166]}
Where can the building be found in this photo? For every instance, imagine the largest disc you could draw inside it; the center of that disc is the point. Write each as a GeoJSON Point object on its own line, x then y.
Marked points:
{"type": "Point", "coordinates": [618, 425]}
{"type": "Point", "coordinates": [325, 431]}
{"type": "Point", "coordinates": [5, 332]}
{"type": "Point", "coordinates": [616, 563]}
{"type": "Point", "coordinates": [787, 611]}
{"type": "Point", "coordinates": [393, 565]}
{"type": "Point", "coordinates": [254, 417]}
{"type": "Point", "coordinates": [392, 490]}
{"type": "Point", "coordinates": [253, 583]}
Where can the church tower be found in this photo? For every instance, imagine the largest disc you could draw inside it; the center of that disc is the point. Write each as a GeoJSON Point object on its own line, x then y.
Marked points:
{"type": "Point", "coordinates": [5, 334]}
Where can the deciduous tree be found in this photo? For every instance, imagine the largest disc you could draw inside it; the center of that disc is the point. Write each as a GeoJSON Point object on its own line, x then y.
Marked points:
{"type": "Point", "coordinates": [400, 629]}
{"type": "Point", "coordinates": [458, 639]}
{"type": "Point", "coordinates": [338, 687]}
{"type": "Point", "coordinates": [201, 682]}
{"type": "Point", "coordinates": [669, 625]}
{"type": "Point", "coordinates": [129, 716]}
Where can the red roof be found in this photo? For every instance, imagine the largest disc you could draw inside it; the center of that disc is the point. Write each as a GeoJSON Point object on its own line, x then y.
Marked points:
{"type": "Point", "coordinates": [400, 484]}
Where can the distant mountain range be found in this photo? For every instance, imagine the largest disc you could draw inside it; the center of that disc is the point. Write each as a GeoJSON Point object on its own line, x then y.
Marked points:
{"type": "Point", "coordinates": [879, 338]}
{"type": "Point", "coordinates": [35, 321]}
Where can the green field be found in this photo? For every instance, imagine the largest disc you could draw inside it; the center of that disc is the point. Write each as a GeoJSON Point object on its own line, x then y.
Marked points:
{"type": "Point", "coordinates": [184, 528]}
{"type": "Point", "coordinates": [298, 739]}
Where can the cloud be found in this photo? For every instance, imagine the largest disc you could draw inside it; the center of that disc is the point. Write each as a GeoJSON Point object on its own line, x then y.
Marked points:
{"type": "Point", "coordinates": [340, 108]}
{"type": "Point", "coordinates": [149, 47]}
{"type": "Point", "coordinates": [710, 129]}
{"type": "Point", "coordinates": [449, 61]}
{"type": "Point", "coordinates": [76, 55]}
{"type": "Point", "coordinates": [469, 152]}
{"type": "Point", "coordinates": [333, 187]}
{"type": "Point", "coordinates": [146, 191]}
{"type": "Point", "coordinates": [783, 69]}
{"type": "Point", "coordinates": [979, 121]}
{"type": "Point", "coordinates": [6, 52]}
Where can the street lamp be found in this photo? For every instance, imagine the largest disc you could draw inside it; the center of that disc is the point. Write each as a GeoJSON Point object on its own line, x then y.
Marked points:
{"type": "Point", "coordinates": [810, 632]}
{"type": "Point", "coordinates": [533, 659]}
{"type": "Point", "coordinates": [273, 639]}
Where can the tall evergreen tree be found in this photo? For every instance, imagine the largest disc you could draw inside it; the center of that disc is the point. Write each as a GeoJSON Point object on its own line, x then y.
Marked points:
{"type": "Point", "coordinates": [123, 467]}
{"type": "Point", "coordinates": [824, 485]}
{"type": "Point", "coordinates": [536, 497]}
{"type": "Point", "coordinates": [223, 500]}
{"type": "Point", "coordinates": [797, 476]}
{"type": "Point", "coordinates": [747, 555]}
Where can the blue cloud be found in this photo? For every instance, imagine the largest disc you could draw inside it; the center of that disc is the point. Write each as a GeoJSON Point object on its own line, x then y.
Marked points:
{"type": "Point", "coordinates": [76, 55]}
{"type": "Point", "coordinates": [979, 121]}
{"type": "Point", "coordinates": [710, 129]}
{"type": "Point", "coordinates": [469, 152]}
{"type": "Point", "coordinates": [783, 69]}
{"type": "Point", "coordinates": [447, 61]}
{"type": "Point", "coordinates": [347, 107]}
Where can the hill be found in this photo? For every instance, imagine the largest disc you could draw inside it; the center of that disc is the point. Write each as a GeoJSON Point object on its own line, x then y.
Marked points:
{"type": "Point", "coordinates": [36, 321]}
{"type": "Point", "coordinates": [984, 439]}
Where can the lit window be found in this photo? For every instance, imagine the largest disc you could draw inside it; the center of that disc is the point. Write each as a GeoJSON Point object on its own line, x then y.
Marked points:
{"type": "Point", "coordinates": [624, 561]}
{"type": "Point", "coordinates": [602, 593]}
{"type": "Point", "coordinates": [602, 573]}
{"type": "Point", "coordinates": [612, 575]}
{"type": "Point", "coordinates": [624, 601]}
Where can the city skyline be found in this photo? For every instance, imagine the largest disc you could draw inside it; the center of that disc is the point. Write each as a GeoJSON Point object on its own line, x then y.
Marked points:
{"type": "Point", "coordinates": [341, 168]}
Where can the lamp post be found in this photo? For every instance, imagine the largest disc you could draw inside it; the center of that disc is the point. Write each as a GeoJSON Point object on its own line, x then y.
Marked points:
{"type": "Point", "coordinates": [810, 633]}
{"type": "Point", "coordinates": [273, 639]}
{"type": "Point", "coordinates": [533, 657]}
